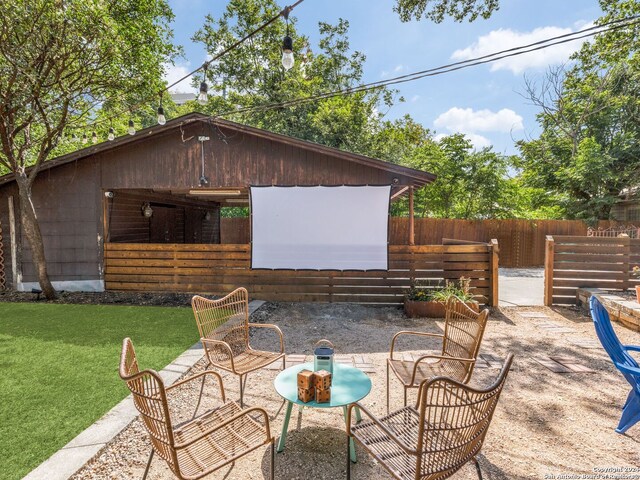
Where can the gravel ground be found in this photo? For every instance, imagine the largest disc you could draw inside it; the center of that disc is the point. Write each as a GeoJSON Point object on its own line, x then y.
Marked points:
{"type": "Point", "coordinates": [546, 424]}
{"type": "Point", "coordinates": [103, 298]}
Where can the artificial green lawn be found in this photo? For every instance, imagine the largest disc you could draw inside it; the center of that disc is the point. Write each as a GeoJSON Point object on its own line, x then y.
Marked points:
{"type": "Point", "coordinates": [59, 369]}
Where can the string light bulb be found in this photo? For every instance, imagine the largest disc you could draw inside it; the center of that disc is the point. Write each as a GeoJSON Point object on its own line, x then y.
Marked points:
{"type": "Point", "coordinates": [132, 128]}
{"type": "Point", "coordinates": [112, 134]}
{"type": "Point", "coordinates": [287, 47]}
{"type": "Point", "coordinates": [94, 138]}
{"type": "Point", "coordinates": [84, 139]}
{"type": "Point", "coordinates": [203, 96]}
{"type": "Point", "coordinates": [161, 118]}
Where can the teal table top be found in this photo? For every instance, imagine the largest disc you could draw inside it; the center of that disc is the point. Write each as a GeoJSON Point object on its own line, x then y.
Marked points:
{"type": "Point", "coordinates": [348, 385]}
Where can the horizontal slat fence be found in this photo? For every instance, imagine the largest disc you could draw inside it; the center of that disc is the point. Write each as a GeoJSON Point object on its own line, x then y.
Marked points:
{"type": "Point", "coordinates": [521, 241]}
{"type": "Point", "coordinates": [574, 262]}
{"type": "Point", "coordinates": [218, 269]}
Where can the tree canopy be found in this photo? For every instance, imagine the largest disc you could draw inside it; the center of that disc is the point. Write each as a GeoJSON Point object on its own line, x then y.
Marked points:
{"type": "Point", "coordinates": [252, 76]}
{"type": "Point", "coordinates": [438, 10]}
{"type": "Point", "coordinates": [60, 63]}
{"type": "Point", "coordinates": [589, 148]}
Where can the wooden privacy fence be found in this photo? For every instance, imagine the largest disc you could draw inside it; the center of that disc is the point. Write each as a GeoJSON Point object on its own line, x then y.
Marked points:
{"type": "Point", "coordinates": [218, 269]}
{"type": "Point", "coordinates": [521, 241]}
{"type": "Point", "coordinates": [574, 262]}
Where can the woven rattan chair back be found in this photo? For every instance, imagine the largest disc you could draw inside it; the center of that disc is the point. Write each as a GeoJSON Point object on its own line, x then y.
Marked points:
{"type": "Point", "coordinates": [434, 439]}
{"type": "Point", "coordinates": [226, 319]}
{"type": "Point", "coordinates": [149, 398]}
{"type": "Point", "coordinates": [463, 332]}
{"type": "Point", "coordinates": [454, 420]}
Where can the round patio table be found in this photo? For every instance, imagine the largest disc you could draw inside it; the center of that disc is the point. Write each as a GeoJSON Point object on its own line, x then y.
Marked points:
{"type": "Point", "coordinates": [348, 385]}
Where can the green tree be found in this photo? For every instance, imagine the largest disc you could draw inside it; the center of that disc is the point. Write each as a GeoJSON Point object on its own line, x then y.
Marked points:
{"type": "Point", "coordinates": [470, 184]}
{"type": "Point", "coordinates": [438, 10]}
{"type": "Point", "coordinates": [59, 62]}
{"type": "Point", "coordinates": [252, 76]}
{"type": "Point", "coordinates": [589, 148]}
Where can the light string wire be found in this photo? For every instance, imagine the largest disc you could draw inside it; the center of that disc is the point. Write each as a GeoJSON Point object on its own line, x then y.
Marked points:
{"type": "Point", "coordinates": [448, 68]}
{"type": "Point", "coordinates": [492, 57]}
{"type": "Point", "coordinates": [284, 12]}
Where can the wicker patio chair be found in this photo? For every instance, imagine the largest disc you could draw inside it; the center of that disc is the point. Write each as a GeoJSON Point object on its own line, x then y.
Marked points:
{"type": "Point", "coordinates": [199, 446]}
{"type": "Point", "coordinates": [434, 439]}
{"type": "Point", "coordinates": [463, 331]}
{"type": "Point", "coordinates": [224, 332]}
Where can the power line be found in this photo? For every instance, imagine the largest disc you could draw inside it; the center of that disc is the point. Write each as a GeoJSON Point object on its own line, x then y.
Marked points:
{"type": "Point", "coordinates": [492, 57]}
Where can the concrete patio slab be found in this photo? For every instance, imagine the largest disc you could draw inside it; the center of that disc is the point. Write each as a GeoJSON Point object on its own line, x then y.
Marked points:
{"type": "Point", "coordinates": [521, 287]}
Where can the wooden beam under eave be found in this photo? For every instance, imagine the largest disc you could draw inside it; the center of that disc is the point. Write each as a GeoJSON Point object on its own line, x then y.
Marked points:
{"type": "Point", "coordinates": [399, 192]}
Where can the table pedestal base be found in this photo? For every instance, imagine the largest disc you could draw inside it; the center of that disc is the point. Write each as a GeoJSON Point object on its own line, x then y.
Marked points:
{"type": "Point", "coordinates": [285, 428]}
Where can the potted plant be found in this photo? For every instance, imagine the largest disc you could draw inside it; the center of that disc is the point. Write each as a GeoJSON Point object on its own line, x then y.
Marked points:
{"type": "Point", "coordinates": [424, 300]}
{"type": "Point", "coordinates": [635, 272]}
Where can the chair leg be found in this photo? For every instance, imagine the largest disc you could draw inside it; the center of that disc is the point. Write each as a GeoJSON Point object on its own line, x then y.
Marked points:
{"type": "Point", "coordinates": [348, 457]}
{"type": "Point", "coordinates": [475, 460]}
{"type": "Point", "coordinates": [195, 412]}
{"type": "Point", "coordinates": [273, 458]}
{"type": "Point", "coordinates": [284, 362]}
{"type": "Point", "coordinates": [241, 392]}
{"type": "Point", "coordinates": [630, 414]}
{"type": "Point", "coordinates": [405, 395]}
{"type": "Point", "coordinates": [387, 388]}
{"type": "Point", "coordinates": [146, 470]}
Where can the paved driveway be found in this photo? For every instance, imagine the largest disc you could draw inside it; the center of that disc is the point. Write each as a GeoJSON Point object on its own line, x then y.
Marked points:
{"type": "Point", "coordinates": [522, 287]}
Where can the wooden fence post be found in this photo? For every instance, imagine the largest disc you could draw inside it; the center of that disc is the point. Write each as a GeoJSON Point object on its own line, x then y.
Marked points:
{"type": "Point", "coordinates": [412, 234]}
{"type": "Point", "coordinates": [626, 242]}
{"type": "Point", "coordinates": [548, 270]}
{"type": "Point", "coordinates": [494, 264]}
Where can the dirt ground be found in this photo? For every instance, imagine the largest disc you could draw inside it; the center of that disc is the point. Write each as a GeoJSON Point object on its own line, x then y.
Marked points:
{"type": "Point", "coordinates": [545, 426]}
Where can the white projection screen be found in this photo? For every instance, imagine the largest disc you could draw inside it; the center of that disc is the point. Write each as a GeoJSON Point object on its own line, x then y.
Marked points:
{"type": "Point", "coordinates": [320, 228]}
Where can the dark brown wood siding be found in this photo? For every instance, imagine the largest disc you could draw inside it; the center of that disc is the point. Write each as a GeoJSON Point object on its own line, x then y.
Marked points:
{"type": "Point", "coordinates": [69, 209]}
{"type": "Point", "coordinates": [232, 159]}
{"type": "Point", "coordinates": [73, 211]}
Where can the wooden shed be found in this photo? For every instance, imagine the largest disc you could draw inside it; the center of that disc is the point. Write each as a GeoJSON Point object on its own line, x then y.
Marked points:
{"type": "Point", "coordinates": [142, 212]}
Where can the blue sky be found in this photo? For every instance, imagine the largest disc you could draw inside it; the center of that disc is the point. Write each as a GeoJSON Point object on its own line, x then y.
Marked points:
{"type": "Point", "coordinates": [485, 102]}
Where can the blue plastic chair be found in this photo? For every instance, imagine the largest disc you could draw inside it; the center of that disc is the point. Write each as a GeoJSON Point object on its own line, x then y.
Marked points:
{"type": "Point", "coordinates": [622, 360]}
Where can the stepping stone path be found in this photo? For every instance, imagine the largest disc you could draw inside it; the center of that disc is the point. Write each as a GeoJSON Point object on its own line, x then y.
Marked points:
{"type": "Point", "coordinates": [555, 327]}
{"type": "Point", "coordinates": [585, 343]}
{"type": "Point", "coordinates": [533, 314]}
{"type": "Point", "coordinates": [563, 364]}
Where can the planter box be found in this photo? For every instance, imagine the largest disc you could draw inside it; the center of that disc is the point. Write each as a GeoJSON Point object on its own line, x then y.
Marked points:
{"type": "Point", "coordinates": [416, 309]}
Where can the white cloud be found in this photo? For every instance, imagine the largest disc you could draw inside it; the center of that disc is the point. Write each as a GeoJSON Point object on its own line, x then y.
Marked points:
{"type": "Point", "coordinates": [173, 73]}
{"type": "Point", "coordinates": [397, 69]}
{"type": "Point", "coordinates": [415, 98]}
{"type": "Point", "coordinates": [503, 39]}
{"type": "Point", "coordinates": [470, 122]}
{"type": "Point", "coordinates": [466, 120]}
{"type": "Point", "coordinates": [478, 141]}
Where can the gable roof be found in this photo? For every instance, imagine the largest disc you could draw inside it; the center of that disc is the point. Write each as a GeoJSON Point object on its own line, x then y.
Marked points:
{"type": "Point", "coordinates": [418, 177]}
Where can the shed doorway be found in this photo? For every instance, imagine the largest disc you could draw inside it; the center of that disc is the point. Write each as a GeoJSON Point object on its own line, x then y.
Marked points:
{"type": "Point", "coordinates": [161, 225]}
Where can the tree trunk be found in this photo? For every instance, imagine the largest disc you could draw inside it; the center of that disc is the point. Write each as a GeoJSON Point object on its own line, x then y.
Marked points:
{"type": "Point", "coordinates": [31, 229]}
